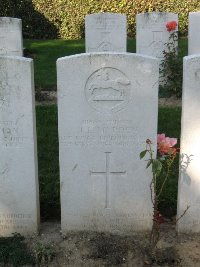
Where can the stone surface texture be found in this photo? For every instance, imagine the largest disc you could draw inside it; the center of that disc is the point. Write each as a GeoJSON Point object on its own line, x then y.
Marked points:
{"type": "Point", "coordinates": [193, 33]}
{"type": "Point", "coordinates": [107, 108]}
{"type": "Point", "coordinates": [19, 207]}
{"type": "Point", "coordinates": [152, 34]}
{"type": "Point", "coordinates": [189, 180]}
{"type": "Point", "coordinates": [105, 32]}
{"type": "Point", "coordinates": [11, 43]}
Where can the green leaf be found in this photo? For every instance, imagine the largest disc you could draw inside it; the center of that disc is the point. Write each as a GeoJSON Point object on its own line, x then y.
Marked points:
{"type": "Point", "coordinates": [149, 163]}
{"type": "Point", "coordinates": [156, 167]}
{"type": "Point", "coordinates": [142, 154]}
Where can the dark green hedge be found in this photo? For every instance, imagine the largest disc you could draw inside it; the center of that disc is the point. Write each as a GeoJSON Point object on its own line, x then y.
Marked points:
{"type": "Point", "coordinates": [35, 25]}
{"type": "Point", "coordinates": [65, 18]}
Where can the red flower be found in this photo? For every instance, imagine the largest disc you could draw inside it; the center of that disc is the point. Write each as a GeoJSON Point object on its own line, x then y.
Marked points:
{"type": "Point", "coordinates": [171, 26]}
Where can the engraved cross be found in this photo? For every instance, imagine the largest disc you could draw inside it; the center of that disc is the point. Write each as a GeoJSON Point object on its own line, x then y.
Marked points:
{"type": "Point", "coordinates": [107, 174]}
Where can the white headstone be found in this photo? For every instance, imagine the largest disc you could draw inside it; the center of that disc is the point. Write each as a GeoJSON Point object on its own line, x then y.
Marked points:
{"type": "Point", "coordinates": [105, 32]}
{"type": "Point", "coordinates": [189, 181]}
{"type": "Point", "coordinates": [193, 33]}
{"type": "Point", "coordinates": [11, 37]}
{"type": "Point", "coordinates": [19, 207]}
{"type": "Point", "coordinates": [152, 34]}
{"type": "Point", "coordinates": [107, 108]}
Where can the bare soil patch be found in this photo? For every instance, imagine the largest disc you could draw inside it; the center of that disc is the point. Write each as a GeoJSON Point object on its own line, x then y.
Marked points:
{"type": "Point", "coordinates": [94, 249]}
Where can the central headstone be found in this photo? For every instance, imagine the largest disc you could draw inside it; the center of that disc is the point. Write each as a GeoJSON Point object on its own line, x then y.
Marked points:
{"type": "Point", "coordinates": [19, 200]}
{"type": "Point", "coordinates": [11, 37]}
{"type": "Point", "coordinates": [105, 32]}
{"type": "Point", "coordinates": [107, 108]}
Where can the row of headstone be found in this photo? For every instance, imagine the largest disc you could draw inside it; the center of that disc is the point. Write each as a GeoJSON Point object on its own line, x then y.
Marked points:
{"type": "Point", "coordinates": [108, 32]}
{"type": "Point", "coordinates": [104, 185]}
{"type": "Point", "coordinates": [101, 181]}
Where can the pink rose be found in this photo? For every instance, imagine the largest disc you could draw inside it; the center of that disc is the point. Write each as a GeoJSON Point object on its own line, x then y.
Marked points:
{"type": "Point", "coordinates": [171, 141]}
{"type": "Point", "coordinates": [160, 137]}
{"type": "Point", "coordinates": [165, 144]}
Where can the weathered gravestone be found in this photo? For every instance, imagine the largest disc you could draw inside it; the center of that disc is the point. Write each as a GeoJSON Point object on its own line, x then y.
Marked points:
{"type": "Point", "coordinates": [189, 181]}
{"type": "Point", "coordinates": [107, 108]}
{"type": "Point", "coordinates": [105, 32]}
{"type": "Point", "coordinates": [19, 206]}
{"type": "Point", "coordinates": [11, 37]}
{"type": "Point", "coordinates": [152, 34]}
{"type": "Point", "coordinates": [193, 33]}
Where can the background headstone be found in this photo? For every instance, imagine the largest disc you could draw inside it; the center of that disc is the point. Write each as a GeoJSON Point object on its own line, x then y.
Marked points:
{"type": "Point", "coordinates": [107, 108]}
{"type": "Point", "coordinates": [11, 43]}
{"type": "Point", "coordinates": [189, 181]}
{"type": "Point", "coordinates": [193, 33]}
{"type": "Point", "coordinates": [19, 207]}
{"type": "Point", "coordinates": [105, 32]}
{"type": "Point", "coordinates": [152, 34]}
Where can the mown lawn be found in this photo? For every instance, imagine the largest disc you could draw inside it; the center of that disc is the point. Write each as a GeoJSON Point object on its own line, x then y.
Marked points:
{"type": "Point", "coordinates": [46, 52]}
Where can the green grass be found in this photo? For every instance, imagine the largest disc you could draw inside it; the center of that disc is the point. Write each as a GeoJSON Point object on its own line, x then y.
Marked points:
{"type": "Point", "coordinates": [46, 52]}
{"type": "Point", "coordinates": [48, 165]}
{"type": "Point", "coordinates": [168, 122]}
{"type": "Point", "coordinates": [183, 47]}
{"type": "Point", "coordinates": [14, 251]}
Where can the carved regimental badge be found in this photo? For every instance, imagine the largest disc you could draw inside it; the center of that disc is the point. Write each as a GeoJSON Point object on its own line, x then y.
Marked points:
{"type": "Point", "coordinates": [108, 89]}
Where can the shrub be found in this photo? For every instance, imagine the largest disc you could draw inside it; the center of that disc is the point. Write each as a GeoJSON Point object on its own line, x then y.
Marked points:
{"type": "Point", "coordinates": [65, 19]}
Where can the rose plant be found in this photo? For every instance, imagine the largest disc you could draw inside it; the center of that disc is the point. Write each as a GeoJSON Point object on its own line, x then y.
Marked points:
{"type": "Point", "coordinates": [171, 65]}
{"type": "Point", "coordinates": [160, 166]}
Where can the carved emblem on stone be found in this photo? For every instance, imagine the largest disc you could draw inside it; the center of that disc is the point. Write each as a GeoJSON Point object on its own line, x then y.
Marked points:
{"type": "Point", "coordinates": [108, 89]}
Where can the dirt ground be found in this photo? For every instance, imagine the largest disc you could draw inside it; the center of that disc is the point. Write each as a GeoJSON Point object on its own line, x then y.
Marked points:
{"type": "Point", "coordinates": [92, 249]}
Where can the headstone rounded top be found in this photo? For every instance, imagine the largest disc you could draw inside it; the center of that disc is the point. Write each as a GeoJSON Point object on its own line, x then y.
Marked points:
{"type": "Point", "coordinates": [157, 16]}
{"type": "Point", "coordinates": [105, 14]}
{"type": "Point", "coordinates": [16, 58]}
{"type": "Point", "coordinates": [108, 54]}
{"type": "Point", "coordinates": [192, 57]}
{"type": "Point", "coordinates": [10, 20]}
{"type": "Point", "coordinates": [197, 13]}
{"type": "Point", "coordinates": [154, 12]}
